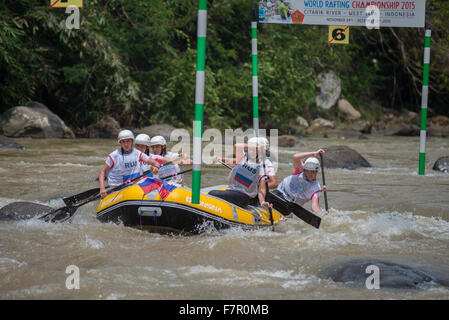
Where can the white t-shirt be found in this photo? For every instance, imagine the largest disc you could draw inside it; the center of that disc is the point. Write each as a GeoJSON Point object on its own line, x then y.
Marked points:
{"type": "Point", "coordinates": [124, 167]}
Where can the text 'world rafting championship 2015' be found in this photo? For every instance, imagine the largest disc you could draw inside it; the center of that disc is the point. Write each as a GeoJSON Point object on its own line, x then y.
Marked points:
{"type": "Point", "coordinates": [388, 13]}
{"type": "Point", "coordinates": [338, 4]}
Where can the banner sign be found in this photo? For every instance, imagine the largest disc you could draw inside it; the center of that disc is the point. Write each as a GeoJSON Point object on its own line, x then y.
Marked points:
{"type": "Point", "coordinates": [386, 13]}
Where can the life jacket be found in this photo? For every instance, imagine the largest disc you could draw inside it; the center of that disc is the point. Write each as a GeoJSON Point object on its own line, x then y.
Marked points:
{"type": "Point", "coordinates": [298, 189]}
{"type": "Point", "coordinates": [245, 178]}
{"type": "Point", "coordinates": [124, 166]}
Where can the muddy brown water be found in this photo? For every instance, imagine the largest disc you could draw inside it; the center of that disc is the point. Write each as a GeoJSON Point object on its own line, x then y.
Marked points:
{"type": "Point", "coordinates": [386, 212]}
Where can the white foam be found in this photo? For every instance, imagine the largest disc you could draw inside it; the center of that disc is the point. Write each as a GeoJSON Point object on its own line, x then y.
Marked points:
{"type": "Point", "coordinates": [69, 164]}
{"type": "Point", "coordinates": [92, 243]}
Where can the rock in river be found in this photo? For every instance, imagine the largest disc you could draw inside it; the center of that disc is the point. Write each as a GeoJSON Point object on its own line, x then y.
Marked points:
{"type": "Point", "coordinates": [354, 273]}
{"type": "Point", "coordinates": [343, 157]}
{"type": "Point", "coordinates": [23, 210]}
{"type": "Point", "coordinates": [442, 164]}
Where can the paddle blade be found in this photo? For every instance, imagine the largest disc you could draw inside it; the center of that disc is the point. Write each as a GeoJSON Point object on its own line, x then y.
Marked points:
{"type": "Point", "coordinates": [59, 215]}
{"type": "Point", "coordinates": [305, 215]}
{"type": "Point", "coordinates": [285, 207]}
{"type": "Point", "coordinates": [70, 201]}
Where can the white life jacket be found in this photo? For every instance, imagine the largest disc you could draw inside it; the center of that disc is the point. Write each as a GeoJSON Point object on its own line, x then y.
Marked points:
{"type": "Point", "coordinates": [298, 189]}
{"type": "Point", "coordinates": [145, 166]}
{"type": "Point", "coordinates": [245, 177]}
{"type": "Point", "coordinates": [170, 171]}
{"type": "Point", "coordinates": [269, 167]}
{"type": "Point", "coordinates": [124, 167]}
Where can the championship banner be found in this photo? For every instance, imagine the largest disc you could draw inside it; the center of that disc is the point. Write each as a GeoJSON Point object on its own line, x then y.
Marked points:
{"type": "Point", "coordinates": [387, 13]}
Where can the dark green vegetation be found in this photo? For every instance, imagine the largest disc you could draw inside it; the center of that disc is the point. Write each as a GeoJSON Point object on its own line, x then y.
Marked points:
{"type": "Point", "coordinates": [135, 60]}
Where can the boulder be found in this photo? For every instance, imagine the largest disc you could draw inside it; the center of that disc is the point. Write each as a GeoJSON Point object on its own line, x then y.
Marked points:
{"type": "Point", "coordinates": [355, 273]}
{"type": "Point", "coordinates": [286, 141]}
{"type": "Point", "coordinates": [107, 128]}
{"type": "Point", "coordinates": [330, 87]}
{"type": "Point", "coordinates": [438, 126]}
{"type": "Point", "coordinates": [156, 130]}
{"type": "Point", "coordinates": [301, 122]}
{"type": "Point", "coordinates": [438, 132]}
{"type": "Point", "coordinates": [397, 128]}
{"type": "Point", "coordinates": [33, 120]}
{"type": "Point", "coordinates": [347, 111]}
{"type": "Point", "coordinates": [7, 143]}
{"type": "Point", "coordinates": [442, 164]}
{"type": "Point", "coordinates": [439, 121]}
{"type": "Point", "coordinates": [411, 117]}
{"type": "Point", "coordinates": [343, 157]}
{"type": "Point", "coordinates": [322, 123]}
{"type": "Point", "coordinates": [23, 210]}
{"type": "Point", "coordinates": [360, 126]}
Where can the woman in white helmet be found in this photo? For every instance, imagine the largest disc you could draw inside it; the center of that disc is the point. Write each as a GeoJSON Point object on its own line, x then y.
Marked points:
{"type": "Point", "coordinates": [262, 150]}
{"type": "Point", "coordinates": [123, 164]}
{"type": "Point", "coordinates": [159, 150]}
{"type": "Point", "coordinates": [142, 143]}
{"type": "Point", "coordinates": [246, 182]}
{"type": "Point", "coordinates": [302, 185]}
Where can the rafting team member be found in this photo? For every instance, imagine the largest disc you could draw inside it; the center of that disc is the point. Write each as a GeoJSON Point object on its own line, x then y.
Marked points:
{"type": "Point", "coordinates": [142, 143]}
{"type": "Point", "coordinates": [246, 182]}
{"type": "Point", "coordinates": [261, 144]}
{"type": "Point", "coordinates": [158, 146]}
{"type": "Point", "coordinates": [302, 185]}
{"type": "Point", "coordinates": [122, 164]}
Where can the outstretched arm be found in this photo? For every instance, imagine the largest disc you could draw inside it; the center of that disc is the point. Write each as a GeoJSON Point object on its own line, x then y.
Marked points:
{"type": "Point", "coordinates": [297, 157]}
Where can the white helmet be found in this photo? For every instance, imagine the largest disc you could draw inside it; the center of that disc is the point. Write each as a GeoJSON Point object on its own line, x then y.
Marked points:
{"type": "Point", "coordinates": [143, 139]}
{"type": "Point", "coordinates": [125, 134]}
{"type": "Point", "coordinates": [312, 163]}
{"type": "Point", "coordinates": [158, 140]}
{"type": "Point", "coordinates": [259, 142]}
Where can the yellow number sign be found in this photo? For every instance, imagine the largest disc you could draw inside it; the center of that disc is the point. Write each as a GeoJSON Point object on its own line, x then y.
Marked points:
{"type": "Point", "coordinates": [338, 34]}
{"type": "Point", "coordinates": [66, 3]}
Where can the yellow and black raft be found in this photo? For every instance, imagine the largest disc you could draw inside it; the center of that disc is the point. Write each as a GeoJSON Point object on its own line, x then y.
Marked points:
{"type": "Point", "coordinates": [156, 206]}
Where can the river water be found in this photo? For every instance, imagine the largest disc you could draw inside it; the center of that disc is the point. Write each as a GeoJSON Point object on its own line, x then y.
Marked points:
{"type": "Point", "coordinates": [386, 212]}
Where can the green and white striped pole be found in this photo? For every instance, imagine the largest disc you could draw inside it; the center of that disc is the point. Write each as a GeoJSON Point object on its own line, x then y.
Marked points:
{"type": "Point", "coordinates": [255, 77]}
{"type": "Point", "coordinates": [199, 99]}
{"type": "Point", "coordinates": [424, 100]}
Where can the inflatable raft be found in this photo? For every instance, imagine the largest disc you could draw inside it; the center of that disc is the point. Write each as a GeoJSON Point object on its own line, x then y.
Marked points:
{"type": "Point", "coordinates": [157, 206]}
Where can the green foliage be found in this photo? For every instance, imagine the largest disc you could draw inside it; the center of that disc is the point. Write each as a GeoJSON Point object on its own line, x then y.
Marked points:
{"type": "Point", "coordinates": [135, 60]}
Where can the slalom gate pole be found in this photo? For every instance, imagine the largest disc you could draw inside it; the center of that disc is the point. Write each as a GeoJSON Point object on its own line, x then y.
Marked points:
{"type": "Point", "coordinates": [199, 99]}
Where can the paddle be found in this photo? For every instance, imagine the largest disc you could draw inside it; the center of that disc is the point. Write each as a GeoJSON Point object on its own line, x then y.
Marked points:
{"type": "Point", "coordinates": [64, 213]}
{"type": "Point", "coordinates": [73, 200]}
{"type": "Point", "coordinates": [324, 183]}
{"type": "Point", "coordinates": [288, 206]}
{"type": "Point", "coordinates": [302, 213]}
{"type": "Point", "coordinates": [267, 189]}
